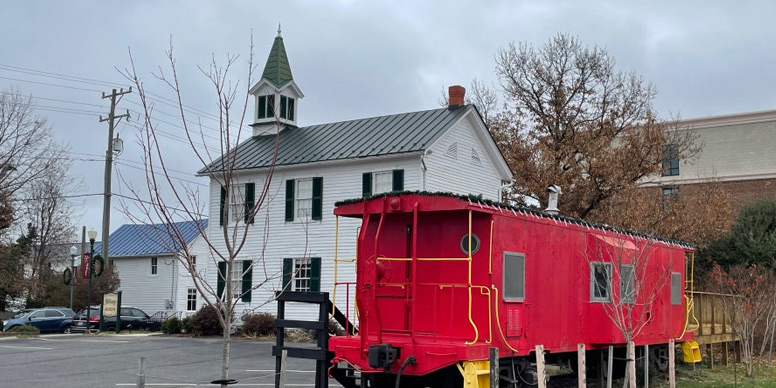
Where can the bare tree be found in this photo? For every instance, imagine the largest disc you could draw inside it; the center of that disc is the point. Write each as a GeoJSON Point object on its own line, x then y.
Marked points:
{"type": "Point", "coordinates": [46, 210]}
{"type": "Point", "coordinates": [27, 149]}
{"type": "Point", "coordinates": [167, 200]}
{"type": "Point", "coordinates": [627, 281]}
{"type": "Point", "coordinates": [753, 303]}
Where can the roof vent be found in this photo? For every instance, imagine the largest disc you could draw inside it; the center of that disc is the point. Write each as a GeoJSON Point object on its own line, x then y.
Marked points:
{"type": "Point", "coordinates": [552, 201]}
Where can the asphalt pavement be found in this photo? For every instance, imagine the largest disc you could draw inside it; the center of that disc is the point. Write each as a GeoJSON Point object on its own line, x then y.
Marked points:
{"type": "Point", "coordinates": [88, 361]}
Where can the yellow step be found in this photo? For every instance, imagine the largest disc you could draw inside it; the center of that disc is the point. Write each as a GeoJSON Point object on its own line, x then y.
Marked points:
{"type": "Point", "coordinates": [692, 352]}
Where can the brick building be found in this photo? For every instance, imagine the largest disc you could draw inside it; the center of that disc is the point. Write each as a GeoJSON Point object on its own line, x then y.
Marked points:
{"type": "Point", "coordinates": [739, 152]}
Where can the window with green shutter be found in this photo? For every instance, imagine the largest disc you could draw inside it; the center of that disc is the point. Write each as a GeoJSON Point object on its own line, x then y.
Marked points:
{"type": "Point", "coordinates": [302, 274]}
{"type": "Point", "coordinates": [283, 104]}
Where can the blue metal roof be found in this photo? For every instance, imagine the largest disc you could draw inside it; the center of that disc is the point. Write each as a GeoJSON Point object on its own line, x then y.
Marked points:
{"type": "Point", "coordinates": [145, 240]}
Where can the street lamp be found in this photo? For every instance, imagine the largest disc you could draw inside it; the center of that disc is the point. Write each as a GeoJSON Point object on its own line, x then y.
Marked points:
{"type": "Point", "coordinates": [92, 235]}
{"type": "Point", "coordinates": [73, 254]}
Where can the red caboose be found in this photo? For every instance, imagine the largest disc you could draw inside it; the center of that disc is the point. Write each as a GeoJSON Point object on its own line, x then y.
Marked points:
{"type": "Point", "coordinates": [442, 279]}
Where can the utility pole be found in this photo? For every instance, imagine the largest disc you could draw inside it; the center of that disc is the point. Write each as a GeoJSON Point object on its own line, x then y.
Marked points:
{"type": "Point", "coordinates": [112, 121]}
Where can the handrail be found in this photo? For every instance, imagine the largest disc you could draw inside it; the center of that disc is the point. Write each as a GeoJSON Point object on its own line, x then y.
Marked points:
{"type": "Point", "coordinates": [498, 321]}
{"type": "Point", "coordinates": [471, 320]}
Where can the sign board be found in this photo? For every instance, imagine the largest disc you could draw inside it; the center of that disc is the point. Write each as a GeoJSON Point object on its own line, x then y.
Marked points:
{"type": "Point", "coordinates": [85, 265]}
{"type": "Point", "coordinates": [110, 305]}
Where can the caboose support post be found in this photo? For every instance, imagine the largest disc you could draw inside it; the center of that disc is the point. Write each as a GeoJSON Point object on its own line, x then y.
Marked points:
{"type": "Point", "coordinates": [540, 373]}
{"type": "Point", "coordinates": [646, 366]}
{"type": "Point", "coordinates": [494, 368]}
{"type": "Point", "coordinates": [581, 370]}
{"type": "Point", "coordinates": [609, 363]}
{"type": "Point", "coordinates": [671, 364]}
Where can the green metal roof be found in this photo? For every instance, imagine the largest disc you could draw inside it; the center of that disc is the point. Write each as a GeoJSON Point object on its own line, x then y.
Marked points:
{"type": "Point", "coordinates": [277, 70]}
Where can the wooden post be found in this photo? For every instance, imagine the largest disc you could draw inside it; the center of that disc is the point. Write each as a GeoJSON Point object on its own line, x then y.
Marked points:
{"type": "Point", "coordinates": [646, 366]}
{"type": "Point", "coordinates": [141, 373]}
{"type": "Point", "coordinates": [609, 363]}
{"type": "Point", "coordinates": [601, 373]}
{"type": "Point", "coordinates": [494, 375]}
{"type": "Point", "coordinates": [671, 364]}
{"type": "Point", "coordinates": [540, 366]}
{"type": "Point", "coordinates": [581, 369]}
{"type": "Point", "coordinates": [283, 367]}
{"type": "Point", "coordinates": [725, 351]}
{"type": "Point", "coordinates": [631, 356]}
{"type": "Point", "coordinates": [711, 356]}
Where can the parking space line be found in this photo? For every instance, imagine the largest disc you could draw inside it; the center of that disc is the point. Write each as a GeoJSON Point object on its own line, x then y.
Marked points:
{"type": "Point", "coordinates": [273, 371]}
{"type": "Point", "coordinates": [210, 385]}
{"type": "Point", "coordinates": [84, 340]}
{"type": "Point", "coordinates": [25, 347]}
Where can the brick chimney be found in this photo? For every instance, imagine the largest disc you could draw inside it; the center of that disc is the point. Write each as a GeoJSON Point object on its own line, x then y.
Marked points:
{"type": "Point", "coordinates": [456, 93]}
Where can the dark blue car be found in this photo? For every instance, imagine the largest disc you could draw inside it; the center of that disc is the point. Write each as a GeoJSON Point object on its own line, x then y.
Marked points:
{"type": "Point", "coordinates": [46, 319]}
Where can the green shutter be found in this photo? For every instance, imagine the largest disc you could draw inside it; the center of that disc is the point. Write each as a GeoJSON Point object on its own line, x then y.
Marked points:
{"type": "Point", "coordinates": [250, 189]}
{"type": "Point", "coordinates": [366, 184]}
{"type": "Point", "coordinates": [315, 274]}
{"type": "Point", "coordinates": [221, 279]}
{"type": "Point", "coordinates": [247, 280]}
{"type": "Point", "coordinates": [398, 180]}
{"type": "Point", "coordinates": [317, 198]}
{"type": "Point", "coordinates": [288, 269]}
{"type": "Point", "coordinates": [221, 208]}
{"type": "Point", "coordinates": [289, 200]}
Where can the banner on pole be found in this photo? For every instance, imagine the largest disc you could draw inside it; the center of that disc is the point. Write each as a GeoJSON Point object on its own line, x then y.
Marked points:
{"type": "Point", "coordinates": [85, 259]}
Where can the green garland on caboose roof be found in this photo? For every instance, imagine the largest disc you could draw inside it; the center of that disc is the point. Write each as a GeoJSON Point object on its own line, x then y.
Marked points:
{"type": "Point", "coordinates": [489, 202]}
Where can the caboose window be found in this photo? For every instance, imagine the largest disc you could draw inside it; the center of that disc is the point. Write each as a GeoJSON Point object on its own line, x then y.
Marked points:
{"type": "Point", "coordinates": [676, 288]}
{"type": "Point", "coordinates": [514, 276]}
{"type": "Point", "coordinates": [600, 282]}
{"type": "Point", "coordinates": [627, 284]}
{"type": "Point", "coordinates": [465, 244]}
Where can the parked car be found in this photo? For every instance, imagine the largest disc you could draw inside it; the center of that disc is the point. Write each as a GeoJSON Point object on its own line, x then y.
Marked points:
{"type": "Point", "coordinates": [132, 318]}
{"type": "Point", "coordinates": [46, 319]}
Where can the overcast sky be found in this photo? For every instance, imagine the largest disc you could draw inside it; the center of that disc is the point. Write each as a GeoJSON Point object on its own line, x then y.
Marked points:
{"type": "Point", "coordinates": [355, 59]}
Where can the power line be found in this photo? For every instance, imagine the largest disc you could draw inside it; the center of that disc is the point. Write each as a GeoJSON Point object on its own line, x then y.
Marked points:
{"type": "Point", "coordinates": [157, 173]}
{"type": "Point", "coordinates": [157, 204]}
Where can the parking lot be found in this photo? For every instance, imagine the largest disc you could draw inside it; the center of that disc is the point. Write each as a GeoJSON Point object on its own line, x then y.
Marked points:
{"type": "Point", "coordinates": [113, 361]}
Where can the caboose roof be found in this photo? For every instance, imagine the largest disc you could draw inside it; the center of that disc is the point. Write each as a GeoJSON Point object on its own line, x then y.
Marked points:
{"type": "Point", "coordinates": [357, 207]}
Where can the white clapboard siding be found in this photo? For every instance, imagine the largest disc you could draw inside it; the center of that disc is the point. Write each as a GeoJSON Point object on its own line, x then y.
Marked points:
{"type": "Point", "coordinates": [343, 180]}
{"type": "Point", "coordinates": [459, 163]}
{"type": "Point", "coordinates": [198, 248]}
{"type": "Point", "coordinates": [141, 289]}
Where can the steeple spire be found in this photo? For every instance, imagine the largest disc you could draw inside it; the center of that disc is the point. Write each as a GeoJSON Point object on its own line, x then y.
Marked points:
{"type": "Point", "coordinates": [277, 95]}
{"type": "Point", "coordinates": [277, 70]}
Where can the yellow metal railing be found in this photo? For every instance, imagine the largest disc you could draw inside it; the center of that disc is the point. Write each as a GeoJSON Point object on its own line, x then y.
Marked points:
{"type": "Point", "coordinates": [484, 290]}
{"type": "Point", "coordinates": [689, 300]}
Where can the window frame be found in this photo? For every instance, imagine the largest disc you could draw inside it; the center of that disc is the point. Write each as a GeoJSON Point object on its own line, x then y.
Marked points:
{"type": "Point", "coordinates": [237, 204]}
{"type": "Point", "coordinates": [670, 160]}
{"type": "Point", "coordinates": [237, 279]}
{"type": "Point", "coordinates": [631, 285]}
{"type": "Point", "coordinates": [388, 182]}
{"type": "Point", "coordinates": [191, 303]}
{"type": "Point", "coordinates": [154, 265]}
{"type": "Point", "coordinates": [594, 282]}
{"type": "Point", "coordinates": [298, 198]}
{"type": "Point", "coordinates": [506, 297]}
{"type": "Point", "coordinates": [302, 274]}
{"type": "Point", "coordinates": [676, 289]}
